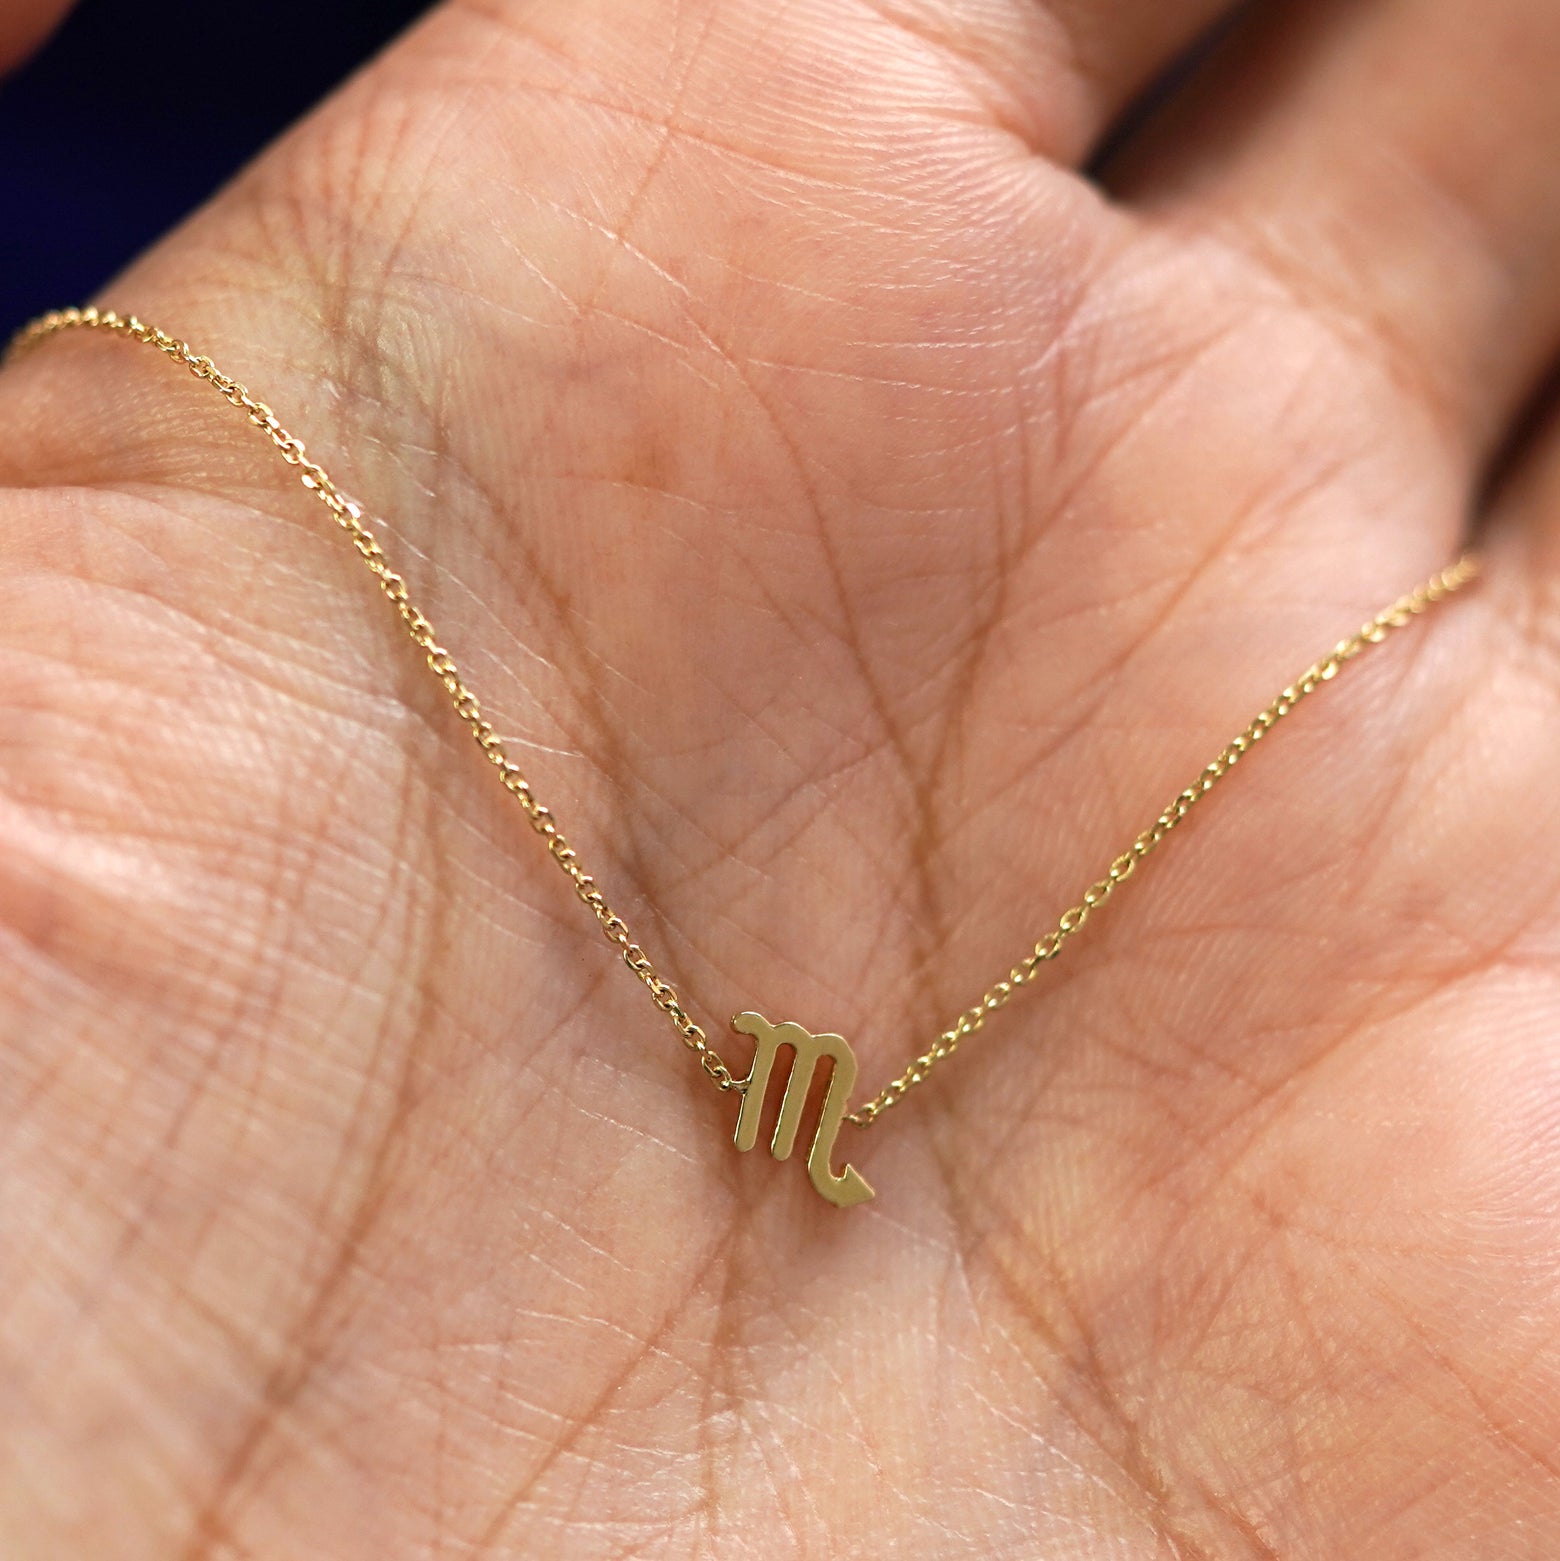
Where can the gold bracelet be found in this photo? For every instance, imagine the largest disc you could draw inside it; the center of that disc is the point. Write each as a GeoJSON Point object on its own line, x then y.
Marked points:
{"type": "Point", "coordinates": [846, 1187]}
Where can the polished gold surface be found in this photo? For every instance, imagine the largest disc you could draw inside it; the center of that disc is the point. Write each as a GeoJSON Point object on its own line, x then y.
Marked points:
{"type": "Point", "coordinates": [808, 1050]}
{"type": "Point", "coordinates": [848, 1187]}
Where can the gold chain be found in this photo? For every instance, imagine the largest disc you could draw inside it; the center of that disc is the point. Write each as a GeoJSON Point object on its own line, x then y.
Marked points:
{"type": "Point", "coordinates": [349, 516]}
{"type": "Point", "coordinates": [1397, 616]}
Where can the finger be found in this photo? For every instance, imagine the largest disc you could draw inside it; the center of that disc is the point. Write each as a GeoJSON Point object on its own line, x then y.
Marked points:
{"type": "Point", "coordinates": [24, 24]}
{"type": "Point", "coordinates": [1059, 72]}
{"type": "Point", "coordinates": [1393, 164]}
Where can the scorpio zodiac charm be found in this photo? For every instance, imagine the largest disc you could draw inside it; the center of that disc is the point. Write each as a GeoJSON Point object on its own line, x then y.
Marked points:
{"type": "Point", "coordinates": [849, 1186]}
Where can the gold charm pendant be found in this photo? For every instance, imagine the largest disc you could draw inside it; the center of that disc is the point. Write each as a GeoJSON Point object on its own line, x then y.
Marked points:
{"type": "Point", "coordinates": [849, 1187]}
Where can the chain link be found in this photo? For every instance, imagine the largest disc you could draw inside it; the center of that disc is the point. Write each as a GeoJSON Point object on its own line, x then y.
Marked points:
{"type": "Point", "coordinates": [349, 515]}
{"type": "Point", "coordinates": [1397, 616]}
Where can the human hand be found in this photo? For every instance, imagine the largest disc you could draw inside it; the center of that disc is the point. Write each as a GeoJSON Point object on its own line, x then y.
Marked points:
{"type": "Point", "coordinates": [860, 524]}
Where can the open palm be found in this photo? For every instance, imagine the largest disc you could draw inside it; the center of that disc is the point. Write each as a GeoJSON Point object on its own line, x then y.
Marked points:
{"type": "Point", "coordinates": [859, 523]}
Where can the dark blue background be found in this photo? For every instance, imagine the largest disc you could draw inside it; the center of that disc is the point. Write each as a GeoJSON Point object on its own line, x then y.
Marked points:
{"type": "Point", "coordinates": [139, 109]}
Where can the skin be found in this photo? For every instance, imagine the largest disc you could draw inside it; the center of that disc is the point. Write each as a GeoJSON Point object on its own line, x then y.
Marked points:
{"type": "Point", "coordinates": [23, 24]}
{"type": "Point", "coordinates": [860, 523]}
